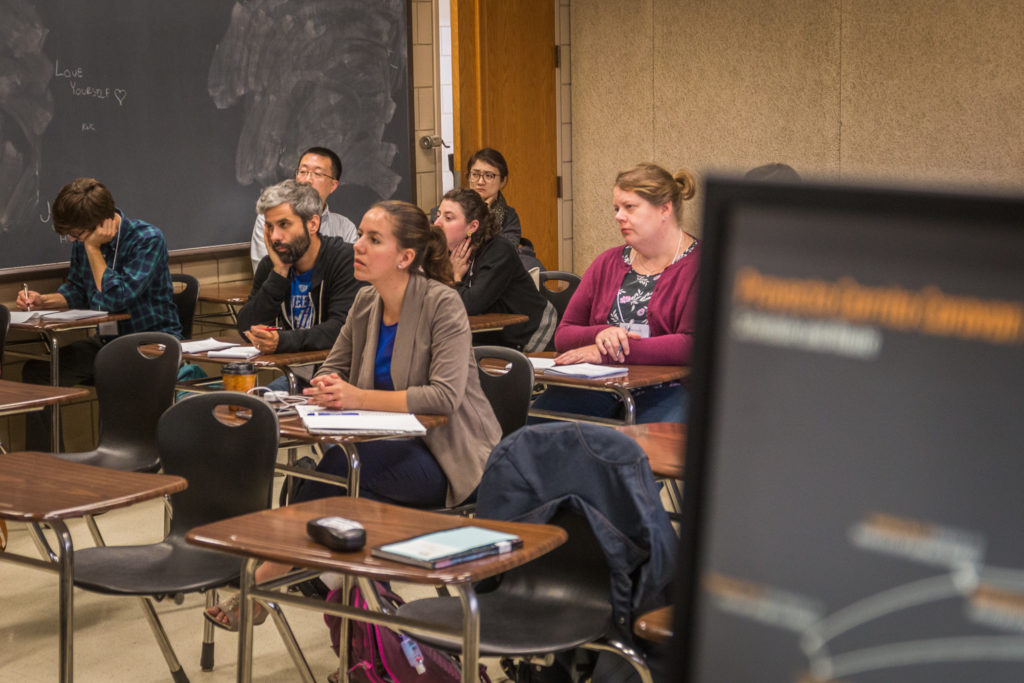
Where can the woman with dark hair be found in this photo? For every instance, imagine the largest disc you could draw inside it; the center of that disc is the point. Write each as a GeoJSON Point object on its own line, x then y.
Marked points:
{"type": "Point", "coordinates": [405, 347]}
{"type": "Point", "coordinates": [488, 175]}
{"type": "Point", "coordinates": [636, 303]}
{"type": "Point", "coordinates": [488, 274]}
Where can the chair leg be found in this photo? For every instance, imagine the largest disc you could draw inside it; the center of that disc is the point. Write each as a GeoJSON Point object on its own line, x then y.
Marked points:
{"type": "Point", "coordinates": [97, 537]}
{"type": "Point", "coordinates": [168, 514]}
{"type": "Point", "coordinates": [177, 673]}
{"type": "Point", "coordinates": [288, 637]}
{"type": "Point", "coordinates": [634, 658]}
{"type": "Point", "coordinates": [42, 545]}
{"type": "Point", "coordinates": [206, 656]}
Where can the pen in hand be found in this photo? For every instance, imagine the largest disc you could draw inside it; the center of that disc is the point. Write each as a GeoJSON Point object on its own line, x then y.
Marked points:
{"type": "Point", "coordinates": [24, 286]}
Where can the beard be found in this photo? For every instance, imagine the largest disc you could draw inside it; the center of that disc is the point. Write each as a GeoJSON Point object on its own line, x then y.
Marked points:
{"type": "Point", "coordinates": [295, 249]}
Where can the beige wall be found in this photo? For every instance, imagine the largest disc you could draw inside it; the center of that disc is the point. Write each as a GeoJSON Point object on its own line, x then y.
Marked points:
{"type": "Point", "coordinates": [912, 91]}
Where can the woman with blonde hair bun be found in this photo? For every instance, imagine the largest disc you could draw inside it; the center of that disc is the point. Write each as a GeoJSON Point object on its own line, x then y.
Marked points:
{"type": "Point", "coordinates": [637, 302]}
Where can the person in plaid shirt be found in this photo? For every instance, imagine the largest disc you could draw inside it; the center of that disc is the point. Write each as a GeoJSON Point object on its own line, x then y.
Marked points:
{"type": "Point", "coordinates": [118, 265]}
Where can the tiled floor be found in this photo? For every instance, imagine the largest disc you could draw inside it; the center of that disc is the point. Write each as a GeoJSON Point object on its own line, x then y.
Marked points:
{"type": "Point", "coordinates": [113, 641]}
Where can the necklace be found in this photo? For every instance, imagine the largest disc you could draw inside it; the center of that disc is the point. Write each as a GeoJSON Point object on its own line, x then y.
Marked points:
{"type": "Point", "coordinates": [675, 256]}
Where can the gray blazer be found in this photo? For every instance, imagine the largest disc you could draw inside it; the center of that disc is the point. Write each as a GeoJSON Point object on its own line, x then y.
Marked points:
{"type": "Point", "coordinates": [433, 361]}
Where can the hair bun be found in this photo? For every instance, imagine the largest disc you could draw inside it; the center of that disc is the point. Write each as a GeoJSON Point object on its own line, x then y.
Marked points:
{"type": "Point", "coordinates": [687, 185]}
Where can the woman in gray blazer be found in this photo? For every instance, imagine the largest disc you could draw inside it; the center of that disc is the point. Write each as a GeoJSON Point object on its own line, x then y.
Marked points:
{"type": "Point", "coordinates": [405, 346]}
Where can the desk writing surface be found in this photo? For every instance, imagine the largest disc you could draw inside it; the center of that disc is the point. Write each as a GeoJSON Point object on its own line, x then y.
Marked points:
{"type": "Point", "coordinates": [43, 325]}
{"type": "Point", "coordinates": [280, 535]}
{"type": "Point", "coordinates": [663, 442]}
{"type": "Point", "coordinates": [291, 427]}
{"type": "Point", "coordinates": [262, 360]}
{"type": "Point", "coordinates": [637, 376]}
{"type": "Point", "coordinates": [36, 487]}
{"type": "Point", "coordinates": [655, 625]}
{"type": "Point", "coordinates": [226, 292]}
{"type": "Point", "coordinates": [489, 322]}
{"type": "Point", "coordinates": [18, 397]}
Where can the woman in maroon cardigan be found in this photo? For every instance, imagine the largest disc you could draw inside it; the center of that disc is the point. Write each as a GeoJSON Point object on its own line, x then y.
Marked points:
{"type": "Point", "coordinates": [637, 302]}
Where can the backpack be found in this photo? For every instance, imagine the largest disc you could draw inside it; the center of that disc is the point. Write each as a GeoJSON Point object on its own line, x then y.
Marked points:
{"type": "Point", "coordinates": [379, 655]}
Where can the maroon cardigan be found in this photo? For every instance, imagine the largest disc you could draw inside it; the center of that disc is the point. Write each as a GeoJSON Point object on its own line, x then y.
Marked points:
{"type": "Point", "coordinates": [672, 312]}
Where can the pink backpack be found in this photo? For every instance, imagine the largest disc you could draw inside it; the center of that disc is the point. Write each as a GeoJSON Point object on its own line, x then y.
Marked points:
{"type": "Point", "coordinates": [379, 655]}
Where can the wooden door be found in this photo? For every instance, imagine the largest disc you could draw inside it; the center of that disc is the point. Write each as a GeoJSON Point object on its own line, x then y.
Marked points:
{"type": "Point", "coordinates": [503, 63]}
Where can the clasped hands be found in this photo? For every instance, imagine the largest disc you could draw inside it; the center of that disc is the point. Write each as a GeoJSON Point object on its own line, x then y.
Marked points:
{"type": "Point", "coordinates": [331, 391]}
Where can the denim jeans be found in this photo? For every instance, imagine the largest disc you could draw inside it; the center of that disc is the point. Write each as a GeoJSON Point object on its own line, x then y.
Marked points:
{"type": "Point", "coordinates": [662, 403]}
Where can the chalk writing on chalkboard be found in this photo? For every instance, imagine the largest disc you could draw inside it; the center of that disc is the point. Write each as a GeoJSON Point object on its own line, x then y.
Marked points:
{"type": "Point", "coordinates": [185, 110]}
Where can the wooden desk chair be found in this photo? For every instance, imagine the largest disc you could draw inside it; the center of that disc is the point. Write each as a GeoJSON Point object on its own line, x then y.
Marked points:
{"type": "Point", "coordinates": [567, 284]}
{"type": "Point", "coordinates": [230, 470]}
{"type": "Point", "coordinates": [185, 301]}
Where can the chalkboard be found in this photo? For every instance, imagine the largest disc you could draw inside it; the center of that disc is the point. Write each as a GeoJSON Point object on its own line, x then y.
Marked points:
{"type": "Point", "coordinates": [186, 109]}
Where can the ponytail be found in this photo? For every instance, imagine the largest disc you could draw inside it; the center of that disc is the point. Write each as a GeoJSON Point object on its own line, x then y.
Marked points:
{"type": "Point", "coordinates": [413, 231]}
{"type": "Point", "coordinates": [436, 265]}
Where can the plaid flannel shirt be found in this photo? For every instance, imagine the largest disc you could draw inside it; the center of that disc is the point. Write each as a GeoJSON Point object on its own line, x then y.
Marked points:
{"type": "Point", "coordinates": [137, 280]}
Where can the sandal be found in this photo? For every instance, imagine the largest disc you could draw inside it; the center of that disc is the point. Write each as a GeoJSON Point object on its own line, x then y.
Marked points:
{"type": "Point", "coordinates": [231, 609]}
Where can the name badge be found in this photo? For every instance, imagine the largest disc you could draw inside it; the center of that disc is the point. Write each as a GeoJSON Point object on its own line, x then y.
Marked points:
{"type": "Point", "coordinates": [108, 329]}
{"type": "Point", "coordinates": [643, 330]}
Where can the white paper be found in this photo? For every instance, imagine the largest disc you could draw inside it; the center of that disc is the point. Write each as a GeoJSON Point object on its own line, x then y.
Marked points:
{"type": "Point", "coordinates": [208, 344]}
{"type": "Point", "coordinates": [73, 314]}
{"type": "Point", "coordinates": [321, 421]}
{"type": "Point", "coordinates": [587, 370]}
{"type": "Point", "coordinates": [235, 352]}
{"type": "Point", "coordinates": [542, 363]}
{"type": "Point", "coordinates": [21, 317]}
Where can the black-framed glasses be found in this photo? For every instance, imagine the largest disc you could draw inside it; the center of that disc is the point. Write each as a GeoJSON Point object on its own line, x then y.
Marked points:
{"type": "Point", "coordinates": [301, 173]}
{"type": "Point", "coordinates": [489, 176]}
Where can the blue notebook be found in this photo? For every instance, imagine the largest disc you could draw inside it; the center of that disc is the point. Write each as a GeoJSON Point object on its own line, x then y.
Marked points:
{"type": "Point", "coordinates": [452, 546]}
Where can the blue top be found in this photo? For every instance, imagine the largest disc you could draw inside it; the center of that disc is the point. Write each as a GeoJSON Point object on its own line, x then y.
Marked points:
{"type": "Point", "coordinates": [301, 302]}
{"type": "Point", "coordinates": [382, 363]}
{"type": "Point", "coordinates": [137, 280]}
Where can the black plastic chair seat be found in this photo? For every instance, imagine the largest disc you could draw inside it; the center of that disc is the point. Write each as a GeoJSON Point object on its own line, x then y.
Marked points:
{"type": "Point", "coordinates": [114, 459]}
{"type": "Point", "coordinates": [133, 390]}
{"type": "Point", "coordinates": [555, 625]}
{"type": "Point", "coordinates": [157, 569]}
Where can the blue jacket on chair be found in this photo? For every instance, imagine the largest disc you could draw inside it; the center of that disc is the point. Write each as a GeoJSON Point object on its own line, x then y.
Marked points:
{"type": "Point", "coordinates": [604, 475]}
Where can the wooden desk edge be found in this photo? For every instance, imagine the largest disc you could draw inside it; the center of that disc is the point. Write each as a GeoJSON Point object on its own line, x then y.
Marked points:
{"type": "Point", "coordinates": [161, 484]}
{"type": "Point", "coordinates": [381, 569]}
{"type": "Point", "coordinates": [655, 625]}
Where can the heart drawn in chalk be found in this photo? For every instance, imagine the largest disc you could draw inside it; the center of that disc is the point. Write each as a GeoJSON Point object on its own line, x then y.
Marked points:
{"type": "Point", "coordinates": [120, 94]}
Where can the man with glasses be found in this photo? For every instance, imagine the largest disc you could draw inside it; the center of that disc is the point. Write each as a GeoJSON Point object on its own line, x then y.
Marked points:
{"type": "Point", "coordinates": [118, 265]}
{"type": "Point", "coordinates": [321, 168]}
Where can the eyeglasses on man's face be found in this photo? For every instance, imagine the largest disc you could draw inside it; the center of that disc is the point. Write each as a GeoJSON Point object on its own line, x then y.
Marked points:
{"type": "Point", "coordinates": [477, 176]}
{"type": "Point", "coordinates": [302, 173]}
